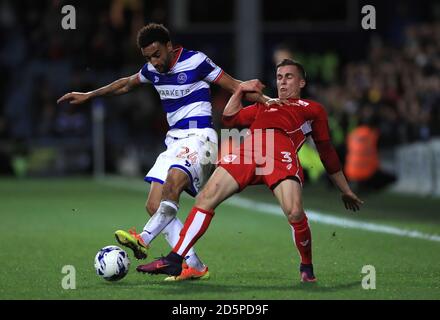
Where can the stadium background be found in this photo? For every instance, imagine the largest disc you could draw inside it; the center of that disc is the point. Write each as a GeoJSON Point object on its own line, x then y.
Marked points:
{"type": "Point", "coordinates": [388, 76]}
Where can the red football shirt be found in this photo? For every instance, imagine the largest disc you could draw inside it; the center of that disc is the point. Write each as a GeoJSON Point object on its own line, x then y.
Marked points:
{"type": "Point", "coordinates": [299, 119]}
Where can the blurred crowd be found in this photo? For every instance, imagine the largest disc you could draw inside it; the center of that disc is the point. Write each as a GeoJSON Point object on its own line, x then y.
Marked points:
{"type": "Point", "coordinates": [40, 61]}
{"type": "Point", "coordinates": [395, 87]}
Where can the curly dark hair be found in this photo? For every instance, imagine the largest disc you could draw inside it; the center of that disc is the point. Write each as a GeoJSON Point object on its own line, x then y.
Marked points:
{"type": "Point", "coordinates": [290, 62]}
{"type": "Point", "coordinates": [152, 32]}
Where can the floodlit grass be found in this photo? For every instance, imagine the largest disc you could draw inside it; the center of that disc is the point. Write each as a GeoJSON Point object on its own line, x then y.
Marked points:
{"type": "Point", "coordinates": [49, 223]}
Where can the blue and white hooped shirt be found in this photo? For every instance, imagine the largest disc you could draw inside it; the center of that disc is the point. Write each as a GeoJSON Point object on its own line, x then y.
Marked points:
{"type": "Point", "coordinates": [184, 90]}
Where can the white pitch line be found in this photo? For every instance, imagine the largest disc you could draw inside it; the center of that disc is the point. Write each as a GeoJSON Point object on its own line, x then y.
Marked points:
{"type": "Point", "coordinates": [314, 216]}
{"type": "Point", "coordinates": [332, 220]}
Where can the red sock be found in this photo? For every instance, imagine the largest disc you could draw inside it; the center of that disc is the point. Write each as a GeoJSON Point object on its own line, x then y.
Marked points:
{"type": "Point", "coordinates": [195, 226]}
{"type": "Point", "coordinates": [303, 240]}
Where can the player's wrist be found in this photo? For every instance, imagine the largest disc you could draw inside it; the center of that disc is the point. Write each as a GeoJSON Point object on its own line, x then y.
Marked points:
{"type": "Point", "coordinates": [91, 94]}
{"type": "Point", "coordinates": [263, 99]}
{"type": "Point", "coordinates": [240, 91]}
{"type": "Point", "coordinates": [345, 190]}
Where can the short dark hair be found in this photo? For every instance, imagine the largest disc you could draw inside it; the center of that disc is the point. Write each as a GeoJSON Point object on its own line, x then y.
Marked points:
{"type": "Point", "coordinates": [290, 62]}
{"type": "Point", "coordinates": [152, 32]}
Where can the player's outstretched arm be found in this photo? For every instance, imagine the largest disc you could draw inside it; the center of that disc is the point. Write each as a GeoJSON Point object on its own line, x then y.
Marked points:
{"type": "Point", "coordinates": [254, 92]}
{"type": "Point", "coordinates": [329, 157]}
{"type": "Point", "coordinates": [350, 199]}
{"type": "Point", "coordinates": [118, 87]}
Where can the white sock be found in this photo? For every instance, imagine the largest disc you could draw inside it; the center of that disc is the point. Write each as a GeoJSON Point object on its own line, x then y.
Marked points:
{"type": "Point", "coordinates": [172, 235]}
{"type": "Point", "coordinates": [164, 215]}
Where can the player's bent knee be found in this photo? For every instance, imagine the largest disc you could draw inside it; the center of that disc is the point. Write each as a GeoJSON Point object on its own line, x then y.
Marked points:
{"type": "Point", "coordinates": [295, 215]}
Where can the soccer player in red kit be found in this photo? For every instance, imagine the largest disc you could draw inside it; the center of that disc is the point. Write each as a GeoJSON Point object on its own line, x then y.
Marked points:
{"type": "Point", "coordinates": [268, 155]}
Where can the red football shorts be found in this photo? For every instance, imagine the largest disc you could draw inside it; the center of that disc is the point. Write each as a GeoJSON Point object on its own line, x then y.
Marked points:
{"type": "Point", "coordinates": [265, 158]}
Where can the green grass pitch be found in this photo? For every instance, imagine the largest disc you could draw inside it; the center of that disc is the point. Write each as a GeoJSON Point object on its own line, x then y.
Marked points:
{"type": "Point", "coordinates": [49, 223]}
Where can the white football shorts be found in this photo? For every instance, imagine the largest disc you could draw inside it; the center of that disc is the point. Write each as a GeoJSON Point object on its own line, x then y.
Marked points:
{"type": "Point", "coordinates": [193, 151]}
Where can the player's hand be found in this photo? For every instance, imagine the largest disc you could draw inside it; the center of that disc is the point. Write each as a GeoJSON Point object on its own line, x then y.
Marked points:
{"type": "Point", "coordinates": [279, 102]}
{"type": "Point", "coordinates": [75, 97]}
{"type": "Point", "coordinates": [351, 201]}
{"type": "Point", "coordinates": [254, 85]}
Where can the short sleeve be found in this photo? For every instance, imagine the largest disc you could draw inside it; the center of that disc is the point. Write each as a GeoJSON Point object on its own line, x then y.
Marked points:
{"type": "Point", "coordinates": [143, 74]}
{"type": "Point", "coordinates": [208, 70]}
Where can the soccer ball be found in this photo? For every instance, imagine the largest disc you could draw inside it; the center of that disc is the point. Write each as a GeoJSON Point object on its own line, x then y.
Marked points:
{"type": "Point", "coordinates": [112, 263]}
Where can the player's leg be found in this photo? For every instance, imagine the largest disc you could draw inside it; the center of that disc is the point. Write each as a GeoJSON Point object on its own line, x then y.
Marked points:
{"type": "Point", "coordinates": [176, 181]}
{"type": "Point", "coordinates": [219, 187]}
{"type": "Point", "coordinates": [166, 211]}
{"type": "Point", "coordinates": [194, 267]}
{"type": "Point", "coordinates": [183, 164]}
{"type": "Point", "coordinates": [132, 239]}
{"type": "Point", "coordinates": [154, 197]}
{"type": "Point", "coordinates": [172, 230]}
{"type": "Point", "coordinates": [166, 186]}
{"type": "Point", "coordinates": [289, 195]}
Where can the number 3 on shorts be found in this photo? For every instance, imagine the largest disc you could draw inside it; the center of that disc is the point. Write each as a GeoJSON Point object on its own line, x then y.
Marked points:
{"type": "Point", "coordinates": [286, 156]}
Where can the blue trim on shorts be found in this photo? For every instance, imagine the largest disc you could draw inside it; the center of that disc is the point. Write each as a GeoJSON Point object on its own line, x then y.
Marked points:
{"type": "Point", "coordinates": [151, 179]}
{"type": "Point", "coordinates": [191, 191]}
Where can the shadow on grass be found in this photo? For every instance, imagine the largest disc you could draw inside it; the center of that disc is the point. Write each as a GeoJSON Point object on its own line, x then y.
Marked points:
{"type": "Point", "coordinates": [187, 288]}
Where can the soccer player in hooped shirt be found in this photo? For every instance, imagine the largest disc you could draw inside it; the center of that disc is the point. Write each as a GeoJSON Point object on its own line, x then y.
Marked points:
{"type": "Point", "coordinates": [278, 131]}
{"type": "Point", "coordinates": [182, 78]}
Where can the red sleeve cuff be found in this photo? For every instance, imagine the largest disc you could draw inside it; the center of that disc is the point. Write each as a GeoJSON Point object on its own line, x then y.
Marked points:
{"type": "Point", "coordinates": [219, 76]}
